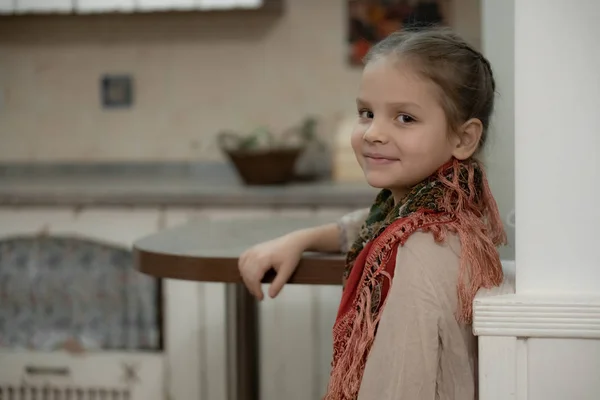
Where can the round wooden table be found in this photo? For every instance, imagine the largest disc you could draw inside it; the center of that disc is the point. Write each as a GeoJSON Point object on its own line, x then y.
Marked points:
{"type": "Point", "coordinates": [208, 251]}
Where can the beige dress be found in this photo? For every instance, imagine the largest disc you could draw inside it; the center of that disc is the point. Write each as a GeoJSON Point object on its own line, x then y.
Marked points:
{"type": "Point", "coordinates": [420, 352]}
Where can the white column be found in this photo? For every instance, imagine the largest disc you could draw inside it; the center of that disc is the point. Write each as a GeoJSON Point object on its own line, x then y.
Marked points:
{"type": "Point", "coordinates": [498, 45]}
{"type": "Point", "coordinates": [557, 145]}
{"type": "Point", "coordinates": [530, 340]}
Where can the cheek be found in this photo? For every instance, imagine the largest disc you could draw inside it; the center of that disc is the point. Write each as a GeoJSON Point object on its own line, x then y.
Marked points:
{"type": "Point", "coordinates": [356, 139]}
{"type": "Point", "coordinates": [429, 143]}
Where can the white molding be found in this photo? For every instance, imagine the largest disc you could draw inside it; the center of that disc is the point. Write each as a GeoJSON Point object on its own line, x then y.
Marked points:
{"type": "Point", "coordinates": [501, 312]}
{"type": "Point", "coordinates": [497, 368]}
{"type": "Point", "coordinates": [522, 369]}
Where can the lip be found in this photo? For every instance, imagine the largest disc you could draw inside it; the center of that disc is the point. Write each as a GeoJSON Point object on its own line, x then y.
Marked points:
{"type": "Point", "coordinates": [377, 158]}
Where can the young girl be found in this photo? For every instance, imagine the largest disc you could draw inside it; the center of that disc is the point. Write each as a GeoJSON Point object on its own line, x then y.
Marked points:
{"type": "Point", "coordinates": [427, 244]}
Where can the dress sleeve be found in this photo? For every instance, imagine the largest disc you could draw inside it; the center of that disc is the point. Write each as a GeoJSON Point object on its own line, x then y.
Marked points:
{"type": "Point", "coordinates": [350, 225]}
{"type": "Point", "coordinates": [403, 362]}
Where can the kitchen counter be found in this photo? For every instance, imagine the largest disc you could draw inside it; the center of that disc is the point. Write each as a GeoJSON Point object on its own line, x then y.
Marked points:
{"type": "Point", "coordinates": [202, 186]}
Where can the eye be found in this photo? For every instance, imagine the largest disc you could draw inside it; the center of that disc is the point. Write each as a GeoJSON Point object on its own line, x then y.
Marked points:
{"type": "Point", "coordinates": [367, 114]}
{"type": "Point", "coordinates": [405, 119]}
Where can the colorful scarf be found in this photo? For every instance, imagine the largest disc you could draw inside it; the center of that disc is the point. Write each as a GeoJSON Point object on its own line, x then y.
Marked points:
{"type": "Point", "coordinates": [456, 199]}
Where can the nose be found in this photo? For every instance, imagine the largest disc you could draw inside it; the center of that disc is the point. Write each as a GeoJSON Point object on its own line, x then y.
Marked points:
{"type": "Point", "coordinates": [375, 133]}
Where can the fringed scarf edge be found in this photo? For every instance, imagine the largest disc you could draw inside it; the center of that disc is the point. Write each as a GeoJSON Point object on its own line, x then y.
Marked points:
{"type": "Point", "coordinates": [479, 227]}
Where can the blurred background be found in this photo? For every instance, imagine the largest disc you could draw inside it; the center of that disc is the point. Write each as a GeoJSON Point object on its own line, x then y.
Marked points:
{"type": "Point", "coordinates": [122, 118]}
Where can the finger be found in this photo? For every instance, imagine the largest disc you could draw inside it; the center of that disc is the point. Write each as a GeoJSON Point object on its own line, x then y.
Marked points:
{"type": "Point", "coordinates": [252, 289]}
{"type": "Point", "coordinates": [248, 277]}
{"type": "Point", "coordinates": [283, 275]}
{"type": "Point", "coordinates": [242, 260]}
{"type": "Point", "coordinates": [247, 270]}
{"type": "Point", "coordinates": [252, 272]}
{"type": "Point", "coordinates": [256, 281]}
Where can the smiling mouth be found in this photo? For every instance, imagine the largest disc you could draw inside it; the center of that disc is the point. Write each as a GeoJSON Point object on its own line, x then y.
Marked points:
{"type": "Point", "coordinates": [379, 159]}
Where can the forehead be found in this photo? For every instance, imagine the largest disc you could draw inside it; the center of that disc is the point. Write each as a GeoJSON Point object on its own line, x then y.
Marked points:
{"type": "Point", "coordinates": [388, 80]}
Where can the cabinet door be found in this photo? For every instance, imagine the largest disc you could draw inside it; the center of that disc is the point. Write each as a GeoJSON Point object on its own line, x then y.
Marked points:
{"type": "Point", "coordinates": [43, 6]}
{"type": "Point", "coordinates": [104, 6]}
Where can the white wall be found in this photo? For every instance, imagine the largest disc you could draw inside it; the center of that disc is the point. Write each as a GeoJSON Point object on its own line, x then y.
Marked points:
{"type": "Point", "coordinates": [563, 369]}
{"type": "Point", "coordinates": [542, 342]}
{"type": "Point", "coordinates": [498, 46]}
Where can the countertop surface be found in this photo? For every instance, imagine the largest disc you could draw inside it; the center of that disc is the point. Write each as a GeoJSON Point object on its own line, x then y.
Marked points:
{"type": "Point", "coordinates": [205, 186]}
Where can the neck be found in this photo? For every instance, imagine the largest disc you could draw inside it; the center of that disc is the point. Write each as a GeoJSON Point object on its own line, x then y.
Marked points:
{"type": "Point", "coordinates": [398, 194]}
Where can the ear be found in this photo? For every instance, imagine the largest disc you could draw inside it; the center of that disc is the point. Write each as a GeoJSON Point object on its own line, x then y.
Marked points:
{"type": "Point", "coordinates": [468, 137]}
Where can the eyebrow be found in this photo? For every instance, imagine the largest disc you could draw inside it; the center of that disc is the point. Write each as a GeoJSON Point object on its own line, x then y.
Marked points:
{"type": "Point", "coordinates": [401, 104]}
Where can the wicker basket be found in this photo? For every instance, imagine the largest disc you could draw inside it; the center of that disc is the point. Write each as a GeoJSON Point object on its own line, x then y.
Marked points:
{"type": "Point", "coordinates": [265, 167]}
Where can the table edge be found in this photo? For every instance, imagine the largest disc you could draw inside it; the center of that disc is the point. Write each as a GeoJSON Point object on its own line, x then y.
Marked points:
{"type": "Point", "coordinates": [312, 270]}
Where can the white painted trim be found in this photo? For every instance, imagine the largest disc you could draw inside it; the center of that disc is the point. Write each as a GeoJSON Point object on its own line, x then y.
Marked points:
{"type": "Point", "coordinates": [497, 368]}
{"type": "Point", "coordinates": [522, 362]}
{"type": "Point", "coordinates": [501, 312]}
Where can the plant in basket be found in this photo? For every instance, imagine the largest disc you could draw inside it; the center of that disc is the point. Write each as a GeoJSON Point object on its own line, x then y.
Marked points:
{"type": "Point", "coordinates": [261, 158]}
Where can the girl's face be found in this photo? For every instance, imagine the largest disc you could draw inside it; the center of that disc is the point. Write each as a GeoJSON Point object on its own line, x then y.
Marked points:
{"type": "Point", "coordinates": [402, 135]}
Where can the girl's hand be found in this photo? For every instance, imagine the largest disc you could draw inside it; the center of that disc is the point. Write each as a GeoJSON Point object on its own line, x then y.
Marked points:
{"type": "Point", "coordinates": [281, 254]}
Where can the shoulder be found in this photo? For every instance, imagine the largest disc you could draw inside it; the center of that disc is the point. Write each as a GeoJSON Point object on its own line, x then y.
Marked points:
{"type": "Point", "coordinates": [434, 265]}
{"type": "Point", "coordinates": [421, 247]}
{"type": "Point", "coordinates": [349, 226]}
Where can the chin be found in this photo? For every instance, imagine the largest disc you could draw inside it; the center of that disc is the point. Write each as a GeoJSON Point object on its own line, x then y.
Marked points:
{"type": "Point", "coordinates": [379, 180]}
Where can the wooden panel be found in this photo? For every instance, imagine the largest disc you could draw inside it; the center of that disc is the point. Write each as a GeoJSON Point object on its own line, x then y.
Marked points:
{"type": "Point", "coordinates": [563, 368]}
{"type": "Point", "coordinates": [497, 368]}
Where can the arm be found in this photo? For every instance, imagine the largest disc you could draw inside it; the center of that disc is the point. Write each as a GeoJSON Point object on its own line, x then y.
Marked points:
{"type": "Point", "coordinates": [323, 238]}
{"type": "Point", "coordinates": [283, 253]}
{"type": "Point", "coordinates": [403, 362]}
{"type": "Point", "coordinates": [334, 237]}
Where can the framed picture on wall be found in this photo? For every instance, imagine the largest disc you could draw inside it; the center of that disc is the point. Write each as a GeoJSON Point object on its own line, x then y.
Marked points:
{"type": "Point", "coordinates": [369, 21]}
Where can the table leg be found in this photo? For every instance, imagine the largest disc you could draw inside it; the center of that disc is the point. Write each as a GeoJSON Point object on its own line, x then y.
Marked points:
{"type": "Point", "coordinates": [243, 344]}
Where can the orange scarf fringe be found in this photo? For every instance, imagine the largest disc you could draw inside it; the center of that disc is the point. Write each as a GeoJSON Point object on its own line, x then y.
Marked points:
{"type": "Point", "coordinates": [479, 227]}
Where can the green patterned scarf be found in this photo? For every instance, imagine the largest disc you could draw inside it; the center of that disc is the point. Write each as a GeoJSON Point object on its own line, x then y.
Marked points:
{"type": "Point", "coordinates": [427, 195]}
